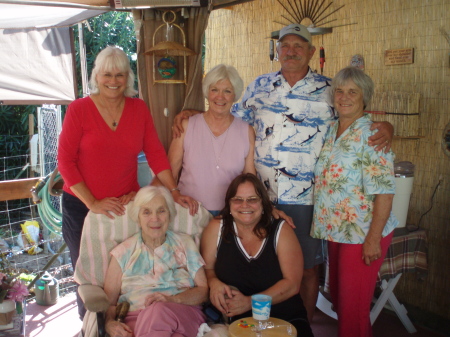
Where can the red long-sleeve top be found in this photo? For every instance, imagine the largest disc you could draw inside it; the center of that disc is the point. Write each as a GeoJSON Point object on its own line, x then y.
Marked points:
{"type": "Point", "coordinates": [104, 159]}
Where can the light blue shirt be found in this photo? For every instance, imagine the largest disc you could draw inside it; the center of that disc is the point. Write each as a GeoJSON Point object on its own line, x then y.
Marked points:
{"type": "Point", "coordinates": [290, 125]}
{"type": "Point", "coordinates": [169, 269]}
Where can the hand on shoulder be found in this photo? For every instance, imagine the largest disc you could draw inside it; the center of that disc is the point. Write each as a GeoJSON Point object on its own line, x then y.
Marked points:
{"type": "Point", "coordinates": [178, 127]}
{"type": "Point", "coordinates": [382, 139]}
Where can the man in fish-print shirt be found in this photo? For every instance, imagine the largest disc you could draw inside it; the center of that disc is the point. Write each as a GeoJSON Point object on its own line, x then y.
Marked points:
{"type": "Point", "coordinates": [290, 112]}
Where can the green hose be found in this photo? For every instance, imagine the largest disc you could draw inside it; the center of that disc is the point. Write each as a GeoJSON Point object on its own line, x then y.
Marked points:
{"type": "Point", "coordinates": [51, 218]}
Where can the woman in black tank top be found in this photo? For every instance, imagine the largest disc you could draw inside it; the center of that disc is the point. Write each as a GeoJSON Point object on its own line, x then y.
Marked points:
{"type": "Point", "coordinates": [250, 251]}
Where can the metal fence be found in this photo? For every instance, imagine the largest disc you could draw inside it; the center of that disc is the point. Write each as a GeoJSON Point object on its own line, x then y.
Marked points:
{"type": "Point", "coordinates": [15, 215]}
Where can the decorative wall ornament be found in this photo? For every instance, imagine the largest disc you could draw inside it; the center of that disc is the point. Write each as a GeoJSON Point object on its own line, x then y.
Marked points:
{"type": "Point", "coordinates": [319, 12]}
{"type": "Point", "coordinates": [169, 56]}
{"type": "Point", "coordinates": [357, 61]}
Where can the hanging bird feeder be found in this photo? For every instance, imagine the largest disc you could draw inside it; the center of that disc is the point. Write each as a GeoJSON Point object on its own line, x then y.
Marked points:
{"type": "Point", "coordinates": [169, 56]}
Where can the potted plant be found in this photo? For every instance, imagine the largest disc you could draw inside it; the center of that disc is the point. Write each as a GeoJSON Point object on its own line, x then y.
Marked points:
{"type": "Point", "coordinates": [12, 291]}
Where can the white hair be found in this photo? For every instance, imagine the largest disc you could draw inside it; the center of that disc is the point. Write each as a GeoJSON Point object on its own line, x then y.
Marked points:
{"type": "Point", "coordinates": [109, 59]}
{"type": "Point", "coordinates": [147, 194]}
{"type": "Point", "coordinates": [224, 72]}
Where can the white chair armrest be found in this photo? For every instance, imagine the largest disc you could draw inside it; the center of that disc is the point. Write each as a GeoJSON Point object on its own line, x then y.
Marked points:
{"type": "Point", "coordinates": [94, 298]}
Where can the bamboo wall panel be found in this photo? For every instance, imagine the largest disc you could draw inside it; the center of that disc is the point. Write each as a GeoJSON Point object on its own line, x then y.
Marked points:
{"type": "Point", "coordinates": [401, 109]}
{"type": "Point", "coordinates": [240, 37]}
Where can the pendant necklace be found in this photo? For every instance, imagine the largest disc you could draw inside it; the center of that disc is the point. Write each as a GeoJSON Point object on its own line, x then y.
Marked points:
{"type": "Point", "coordinates": [115, 123]}
{"type": "Point", "coordinates": [214, 138]}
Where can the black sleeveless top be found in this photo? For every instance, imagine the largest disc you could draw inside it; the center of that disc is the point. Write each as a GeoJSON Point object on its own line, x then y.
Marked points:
{"type": "Point", "coordinates": [252, 275]}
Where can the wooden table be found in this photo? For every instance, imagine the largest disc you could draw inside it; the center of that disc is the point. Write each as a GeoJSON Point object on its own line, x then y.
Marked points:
{"type": "Point", "coordinates": [242, 328]}
{"type": "Point", "coordinates": [407, 253]}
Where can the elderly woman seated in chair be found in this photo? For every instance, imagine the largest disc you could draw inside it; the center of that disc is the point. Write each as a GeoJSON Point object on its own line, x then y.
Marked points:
{"type": "Point", "coordinates": [158, 272]}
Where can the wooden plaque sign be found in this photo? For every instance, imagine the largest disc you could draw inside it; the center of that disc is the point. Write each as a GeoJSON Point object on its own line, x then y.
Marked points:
{"type": "Point", "coordinates": [398, 56]}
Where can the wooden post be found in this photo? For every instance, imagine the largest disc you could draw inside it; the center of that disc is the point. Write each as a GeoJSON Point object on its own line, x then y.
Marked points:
{"type": "Point", "coordinates": [30, 134]}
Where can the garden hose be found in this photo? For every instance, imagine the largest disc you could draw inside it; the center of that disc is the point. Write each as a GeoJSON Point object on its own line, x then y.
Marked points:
{"type": "Point", "coordinates": [51, 217]}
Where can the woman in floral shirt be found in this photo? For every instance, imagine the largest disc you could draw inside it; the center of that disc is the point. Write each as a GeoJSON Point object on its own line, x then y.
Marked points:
{"type": "Point", "coordinates": [354, 188]}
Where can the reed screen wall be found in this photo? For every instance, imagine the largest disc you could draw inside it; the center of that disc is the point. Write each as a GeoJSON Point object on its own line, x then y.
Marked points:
{"type": "Point", "coordinates": [240, 36]}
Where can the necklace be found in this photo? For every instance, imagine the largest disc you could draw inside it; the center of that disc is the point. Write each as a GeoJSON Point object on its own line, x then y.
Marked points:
{"type": "Point", "coordinates": [114, 123]}
{"type": "Point", "coordinates": [214, 140]}
{"type": "Point", "coordinates": [117, 108]}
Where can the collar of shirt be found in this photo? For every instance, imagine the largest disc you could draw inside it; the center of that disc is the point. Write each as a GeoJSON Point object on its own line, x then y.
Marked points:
{"type": "Point", "coordinates": [279, 79]}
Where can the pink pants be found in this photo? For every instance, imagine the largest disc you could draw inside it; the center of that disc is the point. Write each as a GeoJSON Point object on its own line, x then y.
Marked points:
{"type": "Point", "coordinates": [166, 319]}
{"type": "Point", "coordinates": [352, 284]}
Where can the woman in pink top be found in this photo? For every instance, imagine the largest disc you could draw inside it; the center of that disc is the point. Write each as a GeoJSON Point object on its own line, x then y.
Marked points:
{"type": "Point", "coordinates": [215, 146]}
{"type": "Point", "coordinates": [101, 138]}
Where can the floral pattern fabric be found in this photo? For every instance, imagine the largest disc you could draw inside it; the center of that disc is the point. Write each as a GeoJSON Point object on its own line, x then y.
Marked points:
{"type": "Point", "coordinates": [170, 269]}
{"type": "Point", "coordinates": [348, 176]}
{"type": "Point", "coordinates": [290, 125]}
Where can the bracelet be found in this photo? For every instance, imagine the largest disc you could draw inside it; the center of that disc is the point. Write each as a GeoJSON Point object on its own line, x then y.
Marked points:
{"type": "Point", "coordinates": [174, 189]}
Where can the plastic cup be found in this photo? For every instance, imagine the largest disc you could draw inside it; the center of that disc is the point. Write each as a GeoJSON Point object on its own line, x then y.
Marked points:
{"type": "Point", "coordinates": [261, 308]}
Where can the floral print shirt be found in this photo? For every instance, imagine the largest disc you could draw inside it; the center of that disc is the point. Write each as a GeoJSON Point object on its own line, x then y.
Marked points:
{"type": "Point", "coordinates": [348, 176]}
{"type": "Point", "coordinates": [290, 125]}
{"type": "Point", "coordinates": [170, 269]}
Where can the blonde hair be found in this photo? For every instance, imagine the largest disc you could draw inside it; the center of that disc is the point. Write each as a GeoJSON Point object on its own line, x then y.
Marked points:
{"type": "Point", "coordinates": [109, 59]}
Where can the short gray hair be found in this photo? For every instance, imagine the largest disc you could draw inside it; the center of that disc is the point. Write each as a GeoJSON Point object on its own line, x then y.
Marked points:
{"type": "Point", "coordinates": [109, 59]}
{"type": "Point", "coordinates": [361, 79]}
{"type": "Point", "coordinates": [146, 194]}
{"type": "Point", "coordinates": [222, 72]}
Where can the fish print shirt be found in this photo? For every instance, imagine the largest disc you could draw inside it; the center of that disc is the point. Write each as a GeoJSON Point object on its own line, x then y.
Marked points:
{"type": "Point", "coordinates": [290, 125]}
{"type": "Point", "coordinates": [170, 269]}
{"type": "Point", "coordinates": [349, 175]}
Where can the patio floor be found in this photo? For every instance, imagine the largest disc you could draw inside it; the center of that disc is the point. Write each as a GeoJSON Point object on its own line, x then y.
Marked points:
{"type": "Point", "coordinates": [62, 320]}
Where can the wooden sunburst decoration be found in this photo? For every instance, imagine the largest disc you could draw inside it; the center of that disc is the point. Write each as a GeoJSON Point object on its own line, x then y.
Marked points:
{"type": "Point", "coordinates": [318, 11]}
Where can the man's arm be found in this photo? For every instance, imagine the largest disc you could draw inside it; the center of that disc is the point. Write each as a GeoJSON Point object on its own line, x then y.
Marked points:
{"type": "Point", "coordinates": [176, 151]}
{"type": "Point", "coordinates": [177, 127]}
{"type": "Point", "coordinates": [383, 138]}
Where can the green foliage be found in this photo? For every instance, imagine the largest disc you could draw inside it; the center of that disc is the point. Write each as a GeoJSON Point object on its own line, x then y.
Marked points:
{"type": "Point", "coordinates": [13, 126]}
{"type": "Point", "coordinates": [109, 29]}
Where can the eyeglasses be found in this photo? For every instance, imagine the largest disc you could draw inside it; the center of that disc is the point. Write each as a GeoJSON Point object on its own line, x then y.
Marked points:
{"type": "Point", "coordinates": [250, 201]}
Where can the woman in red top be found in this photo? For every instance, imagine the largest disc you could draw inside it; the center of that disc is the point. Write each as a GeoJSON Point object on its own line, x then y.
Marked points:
{"type": "Point", "coordinates": [101, 138]}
